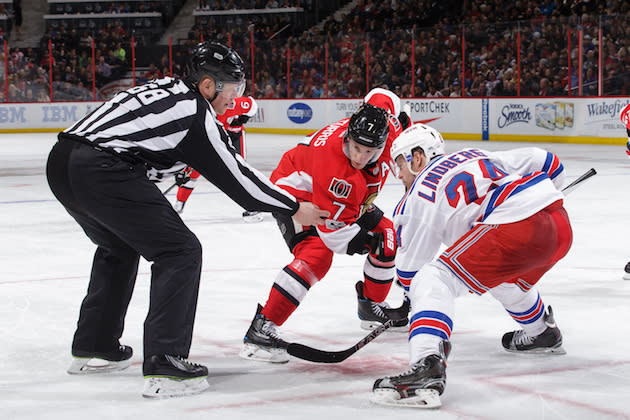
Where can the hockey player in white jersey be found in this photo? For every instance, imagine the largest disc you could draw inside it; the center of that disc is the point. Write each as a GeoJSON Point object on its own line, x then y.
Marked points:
{"type": "Point", "coordinates": [501, 217]}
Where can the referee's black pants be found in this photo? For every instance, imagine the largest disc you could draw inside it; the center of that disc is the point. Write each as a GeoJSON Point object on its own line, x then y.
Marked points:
{"type": "Point", "coordinates": [127, 216]}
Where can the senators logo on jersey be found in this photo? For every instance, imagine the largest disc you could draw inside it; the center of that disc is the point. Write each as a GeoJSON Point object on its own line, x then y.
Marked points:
{"type": "Point", "coordinates": [340, 188]}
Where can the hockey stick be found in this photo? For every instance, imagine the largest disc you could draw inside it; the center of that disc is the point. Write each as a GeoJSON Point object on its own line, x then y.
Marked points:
{"type": "Point", "coordinates": [586, 175]}
{"type": "Point", "coordinates": [322, 356]}
{"type": "Point", "coordinates": [166, 191]}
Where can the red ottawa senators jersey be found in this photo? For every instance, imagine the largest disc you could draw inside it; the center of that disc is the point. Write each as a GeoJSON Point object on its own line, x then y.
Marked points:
{"type": "Point", "coordinates": [319, 171]}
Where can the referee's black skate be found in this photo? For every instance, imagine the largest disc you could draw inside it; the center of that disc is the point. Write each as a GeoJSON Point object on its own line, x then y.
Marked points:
{"type": "Point", "coordinates": [373, 314]}
{"type": "Point", "coordinates": [85, 362]}
{"type": "Point", "coordinates": [167, 376]}
{"type": "Point", "coordinates": [262, 341]}
{"type": "Point", "coordinates": [549, 341]}
{"type": "Point", "coordinates": [626, 274]}
{"type": "Point", "coordinates": [420, 386]}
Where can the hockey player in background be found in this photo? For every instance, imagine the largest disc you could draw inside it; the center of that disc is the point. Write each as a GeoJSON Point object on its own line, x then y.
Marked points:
{"type": "Point", "coordinates": [233, 120]}
{"type": "Point", "coordinates": [625, 119]}
{"type": "Point", "coordinates": [235, 117]}
{"type": "Point", "coordinates": [339, 168]}
{"type": "Point", "coordinates": [501, 217]}
{"type": "Point", "coordinates": [99, 170]}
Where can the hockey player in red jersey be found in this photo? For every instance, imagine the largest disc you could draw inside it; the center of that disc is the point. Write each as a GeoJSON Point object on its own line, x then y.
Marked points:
{"type": "Point", "coordinates": [625, 119]}
{"type": "Point", "coordinates": [235, 116]}
{"type": "Point", "coordinates": [501, 218]}
{"type": "Point", "coordinates": [331, 168]}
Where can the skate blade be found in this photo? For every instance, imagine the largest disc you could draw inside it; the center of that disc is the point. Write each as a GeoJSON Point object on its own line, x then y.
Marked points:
{"type": "Point", "coordinates": [160, 387]}
{"type": "Point", "coordinates": [424, 398]}
{"type": "Point", "coordinates": [86, 366]}
{"type": "Point", "coordinates": [372, 325]}
{"type": "Point", "coordinates": [261, 354]}
{"type": "Point", "coordinates": [558, 351]}
{"type": "Point", "coordinates": [626, 276]}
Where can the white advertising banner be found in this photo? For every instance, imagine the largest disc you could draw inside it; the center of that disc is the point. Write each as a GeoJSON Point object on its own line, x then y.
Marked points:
{"type": "Point", "coordinates": [301, 116]}
{"type": "Point", "coordinates": [305, 115]}
{"type": "Point", "coordinates": [566, 119]}
{"type": "Point", "coordinates": [557, 117]}
{"type": "Point", "coordinates": [448, 115]}
{"type": "Point", "coordinates": [43, 116]}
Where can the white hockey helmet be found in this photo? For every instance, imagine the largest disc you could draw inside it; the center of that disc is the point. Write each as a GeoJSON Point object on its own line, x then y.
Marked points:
{"type": "Point", "coordinates": [418, 135]}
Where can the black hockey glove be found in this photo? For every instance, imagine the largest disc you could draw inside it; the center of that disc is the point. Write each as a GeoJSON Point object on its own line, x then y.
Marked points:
{"type": "Point", "coordinates": [237, 122]}
{"type": "Point", "coordinates": [364, 242]}
{"type": "Point", "coordinates": [181, 178]}
{"type": "Point", "coordinates": [371, 218]}
{"type": "Point", "coordinates": [404, 119]}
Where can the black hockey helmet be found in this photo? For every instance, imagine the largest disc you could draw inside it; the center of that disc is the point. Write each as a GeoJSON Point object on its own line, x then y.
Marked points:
{"type": "Point", "coordinates": [216, 60]}
{"type": "Point", "coordinates": [368, 126]}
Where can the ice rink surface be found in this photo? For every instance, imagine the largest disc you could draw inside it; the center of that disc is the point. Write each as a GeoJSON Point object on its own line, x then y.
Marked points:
{"type": "Point", "coordinates": [45, 261]}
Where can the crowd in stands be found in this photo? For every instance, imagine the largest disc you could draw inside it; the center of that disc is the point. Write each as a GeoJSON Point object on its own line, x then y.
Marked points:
{"type": "Point", "coordinates": [248, 4]}
{"type": "Point", "coordinates": [384, 33]}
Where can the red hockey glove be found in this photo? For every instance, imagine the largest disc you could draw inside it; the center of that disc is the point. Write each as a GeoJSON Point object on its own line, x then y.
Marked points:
{"type": "Point", "coordinates": [386, 245]}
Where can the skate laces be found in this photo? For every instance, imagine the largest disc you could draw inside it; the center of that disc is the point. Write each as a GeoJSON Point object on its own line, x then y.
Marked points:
{"type": "Point", "coordinates": [271, 330]}
{"type": "Point", "coordinates": [522, 338]}
{"type": "Point", "coordinates": [378, 309]}
{"type": "Point", "coordinates": [186, 362]}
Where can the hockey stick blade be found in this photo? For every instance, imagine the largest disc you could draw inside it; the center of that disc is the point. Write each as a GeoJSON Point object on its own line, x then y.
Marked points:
{"type": "Point", "coordinates": [586, 175]}
{"type": "Point", "coordinates": [322, 356]}
{"type": "Point", "coordinates": [166, 191]}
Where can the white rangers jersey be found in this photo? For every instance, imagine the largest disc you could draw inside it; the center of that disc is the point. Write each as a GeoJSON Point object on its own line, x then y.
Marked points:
{"type": "Point", "coordinates": [456, 191]}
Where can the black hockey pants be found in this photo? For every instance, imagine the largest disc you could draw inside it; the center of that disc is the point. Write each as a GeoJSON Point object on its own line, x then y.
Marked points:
{"type": "Point", "coordinates": [127, 216]}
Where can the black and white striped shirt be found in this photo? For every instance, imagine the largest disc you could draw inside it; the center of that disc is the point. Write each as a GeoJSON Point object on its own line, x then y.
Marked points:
{"type": "Point", "coordinates": [166, 124]}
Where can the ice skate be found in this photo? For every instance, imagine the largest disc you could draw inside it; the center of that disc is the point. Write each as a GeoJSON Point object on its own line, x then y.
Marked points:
{"type": "Point", "coordinates": [252, 216]}
{"type": "Point", "coordinates": [97, 362]}
{"type": "Point", "coordinates": [373, 314]}
{"type": "Point", "coordinates": [420, 387]}
{"type": "Point", "coordinates": [549, 341]}
{"type": "Point", "coordinates": [626, 274]}
{"type": "Point", "coordinates": [167, 376]}
{"type": "Point", "coordinates": [262, 341]}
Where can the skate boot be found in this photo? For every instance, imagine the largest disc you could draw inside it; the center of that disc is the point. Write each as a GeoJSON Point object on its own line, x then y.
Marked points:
{"type": "Point", "coordinates": [262, 341]}
{"type": "Point", "coordinates": [626, 274]}
{"type": "Point", "coordinates": [252, 216]}
{"type": "Point", "coordinates": [549, 341]}
{"type": "Point", "coordinates": [167, 376]}
{"type": "Point", "coordinates": [420, 386]}
{"type": "Point", "coordinates": [373, 314]}
{"type": "Point", "coordinates": [84, 362]}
